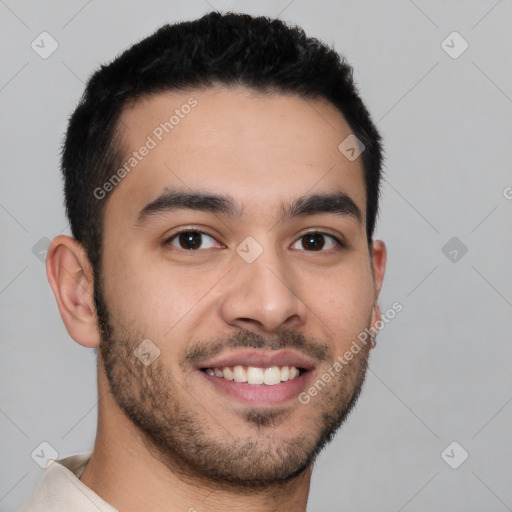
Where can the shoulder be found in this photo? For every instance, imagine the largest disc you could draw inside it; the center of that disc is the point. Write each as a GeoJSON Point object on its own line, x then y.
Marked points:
{"type": "Point", "coordinates": [61, 490]}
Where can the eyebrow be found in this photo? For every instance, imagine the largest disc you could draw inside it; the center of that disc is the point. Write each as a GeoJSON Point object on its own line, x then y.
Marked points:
{"type": "Point", "coordinates": [336, 203]}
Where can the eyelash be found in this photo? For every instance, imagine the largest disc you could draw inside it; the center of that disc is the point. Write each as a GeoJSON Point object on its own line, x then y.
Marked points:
{"type": "Point", "coordinates": [340, 245]}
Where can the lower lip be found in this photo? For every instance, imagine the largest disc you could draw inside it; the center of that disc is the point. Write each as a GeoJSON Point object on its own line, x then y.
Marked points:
{"type": "Point", "coordinates": [260, 394]}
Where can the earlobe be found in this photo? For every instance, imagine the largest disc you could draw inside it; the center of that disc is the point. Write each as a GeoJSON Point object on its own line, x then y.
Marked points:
{"type": "Point", "coordinates": [71, 279]}
{"type": "Point", "coordinates": [379, 256]}
{"type": "Point", "coordinates": [378, 269]}
{"type": "Point", "coordinates": [376, 323]}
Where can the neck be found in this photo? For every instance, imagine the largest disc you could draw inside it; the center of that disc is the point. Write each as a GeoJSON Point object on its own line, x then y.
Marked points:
{"type": "Point", "coordinates": [131, 476]}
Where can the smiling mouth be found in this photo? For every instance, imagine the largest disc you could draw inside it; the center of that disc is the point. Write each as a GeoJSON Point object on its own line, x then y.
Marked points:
{"type": "Point", "coordinates": [269, 376]}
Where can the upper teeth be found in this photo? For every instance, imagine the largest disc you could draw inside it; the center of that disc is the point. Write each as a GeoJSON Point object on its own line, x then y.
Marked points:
{"type": "Point", "coordinates": [254, 375]}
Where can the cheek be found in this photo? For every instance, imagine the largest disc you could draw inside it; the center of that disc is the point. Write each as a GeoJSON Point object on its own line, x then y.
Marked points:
{"type": "Point", "coordinates": [344, 301]}
{"type": "Point", "coordinates": [155, 297]}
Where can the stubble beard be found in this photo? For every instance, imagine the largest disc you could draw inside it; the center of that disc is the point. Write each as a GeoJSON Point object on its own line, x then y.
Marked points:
{"type": "Point", "coordinates": [177, 429]}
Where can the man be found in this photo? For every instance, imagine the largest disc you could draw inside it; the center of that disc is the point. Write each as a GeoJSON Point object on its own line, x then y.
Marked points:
{"type": "Point", "coordinates": [222, 183]}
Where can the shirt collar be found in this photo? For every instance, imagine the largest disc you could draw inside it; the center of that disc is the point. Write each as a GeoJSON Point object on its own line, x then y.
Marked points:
{"type": "Point", "coordinates": [60, 489]}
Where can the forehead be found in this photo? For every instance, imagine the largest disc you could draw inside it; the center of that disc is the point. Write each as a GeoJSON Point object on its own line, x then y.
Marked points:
{"type": "Point", "coordinates": [261, 148]}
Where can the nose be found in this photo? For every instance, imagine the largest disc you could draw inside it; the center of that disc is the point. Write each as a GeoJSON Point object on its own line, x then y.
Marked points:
{"type": "Point", "coordinates": [263, 295]}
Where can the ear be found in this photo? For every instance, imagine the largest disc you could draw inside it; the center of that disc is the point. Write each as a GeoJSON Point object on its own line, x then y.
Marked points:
{"type": "Point", "coordinates": [378, 255]}
{"type": "Point", "coordinates": [71, 277]}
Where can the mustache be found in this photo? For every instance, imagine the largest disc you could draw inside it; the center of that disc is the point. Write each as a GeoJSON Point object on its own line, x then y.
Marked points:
{"type": "Point", "coordinates": [284, 339]}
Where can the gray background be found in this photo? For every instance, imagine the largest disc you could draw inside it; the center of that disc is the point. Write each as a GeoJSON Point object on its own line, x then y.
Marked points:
{"type": "Point", "coordinates": [441, 371]}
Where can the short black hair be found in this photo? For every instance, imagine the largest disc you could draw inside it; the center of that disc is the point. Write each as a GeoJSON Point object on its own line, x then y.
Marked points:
{"type": "Point", "coordinates": [231, 49]}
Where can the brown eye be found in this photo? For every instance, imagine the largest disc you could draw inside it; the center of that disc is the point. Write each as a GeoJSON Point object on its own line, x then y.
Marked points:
{"type": "Point", "coordinates": [191, 240]}
{"type": "Point", "coordinates": [316, 241]}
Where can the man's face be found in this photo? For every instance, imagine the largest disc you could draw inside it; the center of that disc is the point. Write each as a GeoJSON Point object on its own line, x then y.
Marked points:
{"type": "Point", "coordinates": [257, 285]}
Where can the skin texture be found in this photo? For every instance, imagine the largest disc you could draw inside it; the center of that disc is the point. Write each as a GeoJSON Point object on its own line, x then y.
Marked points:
{"type": "Point", "coordinates": [167, 439]}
